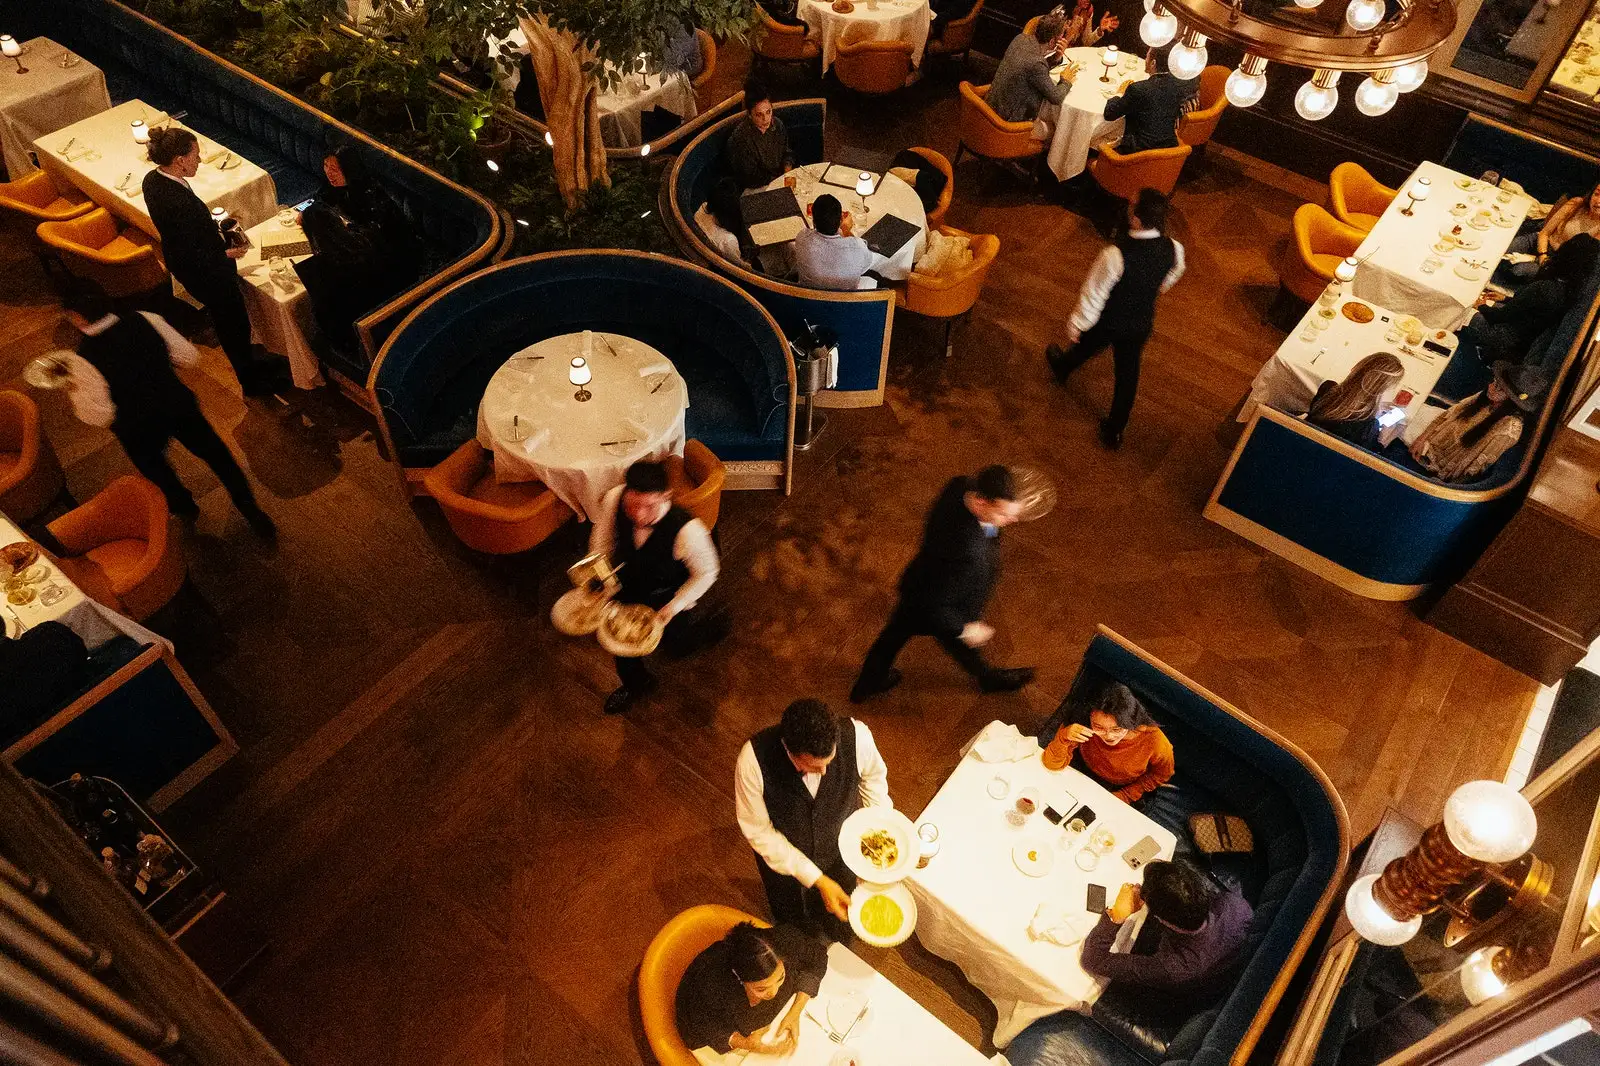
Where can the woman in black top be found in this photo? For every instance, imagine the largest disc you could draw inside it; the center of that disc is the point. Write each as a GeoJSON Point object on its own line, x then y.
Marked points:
{"type": "Point", "coordinates": [1507, 329]}
{"type": "Point", "coordinates": [733, 991]}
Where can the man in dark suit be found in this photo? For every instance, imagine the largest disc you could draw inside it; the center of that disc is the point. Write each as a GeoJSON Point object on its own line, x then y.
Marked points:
{"type": "Point", "coordinates": [40, 669]}
{"type": "Point", "coordinates": [1152, 107]}
{"type": "Point", "coordinates": [944, 589]}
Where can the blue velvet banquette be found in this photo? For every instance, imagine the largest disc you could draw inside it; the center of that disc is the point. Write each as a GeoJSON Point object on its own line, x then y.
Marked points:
{"type": "Point", "coordinates": [1226, 763]}
{"type": "Point", "coordinates": [287, 137]}
{"type": "Point", "coordinates": [861, 320]}
{"type": "Point", "coordinates": [431, 373]}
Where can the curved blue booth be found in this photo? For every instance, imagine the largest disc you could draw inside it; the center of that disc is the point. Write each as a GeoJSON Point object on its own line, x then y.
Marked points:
{"type": "Point", "coordinates": [1547, 170]}
{"type": "Point", "coordinates": [861, 320]}
{"type": "Point", "coordinates": [431, 373]}
{"type": "Point", "coordinates": [285, 136]}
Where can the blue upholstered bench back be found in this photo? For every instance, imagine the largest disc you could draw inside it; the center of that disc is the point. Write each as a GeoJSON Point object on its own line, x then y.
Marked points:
{"type": "Point", "coordinates": [703, 163]}
{"type": "Point", "coordinates": [1546, 169]}
{"type": "Point", "coordinates": [433, 370]}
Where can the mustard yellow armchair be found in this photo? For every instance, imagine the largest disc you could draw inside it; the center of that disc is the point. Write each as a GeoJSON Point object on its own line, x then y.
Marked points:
{"type": "Point", "coordinates": [1123, 176]}
{"type": "Point", "coordinates": [957, 37]}
{"type": "Point", "coordinates": [665, 960]}
{"type": "Point", "coordinates": [950, 295]}
{"type": "Point", "coordinates": [1358, 199]}
{"type": "Point", "coordinates": [121, 261]}
{"type": "Point", "coordinates": [696, 479]}
{"type": "Point", "coordinates": [778, 42]}
{"type": "Point", "coordinates": [120, 550]}
{"type": "Point", "coordinates": [487, 516]}
{"type": "Point", "coordinates": [868, 66]}
{"type": "Point", "coordinates": [30, 473]}
{"type": "Point", "coordinates": [708, 59]}
{"type": "Point", "coordinates": [987, 135]}
{"type": "Point", "coordinates": [1318, 243]}
{"type": "Point", "coordinates": [936, 216]}
{"type": "Point", "coordinates": [38, 198]}
{"type": "Point", "coordinates": [1196, 127]}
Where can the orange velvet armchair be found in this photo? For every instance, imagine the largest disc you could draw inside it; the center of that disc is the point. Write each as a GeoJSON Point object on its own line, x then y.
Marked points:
{"type": "Point", "coordinates": [487, 516]}
{"type": "Point", "coordinates": [30, 473]}
{"type": "Point", "coordinates": [124, 262]}
{"type": "Point", "coordinates": [120, 550]}
{"type": "Point", "coordinates": [38, 198]}
{"type": "Point", "coordinates": [868, 66]}
{"type": "Point", "coordinates": [665, 960]}
{"type": "Point", "coordinates": [1318, 243]}
{"type": "Point", "coordinates": [951, 295]}
{"type": "Point", "coordinates": [777, 42]}
{"type": "Point", "coordinates": [1124, 175]}
{"type": "Point", "coordinates": [936, 216]}
{"type": "Point", "coordinates": [708, 59]}
{"type": "Point", "coordinates": [1196, 127]}
{"type": "Point", "coordinates": [696, 479]}
{"type": "Point", "coordinates": [986, 134]}
{"type": "Point", "coordinates": [1358, 199]}
{"type": "Point", "coordinates": [957, 37]}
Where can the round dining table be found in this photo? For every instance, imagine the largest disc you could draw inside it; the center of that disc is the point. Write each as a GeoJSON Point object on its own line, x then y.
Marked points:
{"type": "Point", "coordinates": [1079, 123]}
{"type": "Point", "coordinates": [532, 418]}
{"type": "Point", "coordinates": [873, 20]}
{"type": "Point", "coordinates": [890, 196]}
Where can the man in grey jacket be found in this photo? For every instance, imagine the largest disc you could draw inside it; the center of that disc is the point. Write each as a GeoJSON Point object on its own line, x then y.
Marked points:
{"type": "Point", "coordinates": [1023, 81]}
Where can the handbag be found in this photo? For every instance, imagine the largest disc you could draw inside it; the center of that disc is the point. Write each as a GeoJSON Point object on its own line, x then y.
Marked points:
{"type": "Point", "coordinates": [1221, 834]}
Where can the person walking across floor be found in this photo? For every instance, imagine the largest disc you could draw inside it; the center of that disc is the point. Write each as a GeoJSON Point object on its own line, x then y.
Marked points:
{"type": "Point", "coordinates": [946, 586]}
{"type": "Point", "coordinates": [795, 783]}
{"type": "Point", "coordinates": [121, 378]}
{"type": "Point", "coordinates": [196, 252]}
{"type": "Point", "coordinates": [1117, 306]}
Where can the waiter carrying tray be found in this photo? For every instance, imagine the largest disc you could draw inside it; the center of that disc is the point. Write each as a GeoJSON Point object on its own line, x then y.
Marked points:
{"type": "Point", "coordinates": [795, 783]}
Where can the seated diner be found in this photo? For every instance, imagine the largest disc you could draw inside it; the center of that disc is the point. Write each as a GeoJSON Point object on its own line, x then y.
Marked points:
{"type": "Point", "coordinates": [758, 147]}
{"type": "Point", "coordinates": [1117, 743]}
{"type": "Point", "coordinates": [1349, 409]}
{"type": "Point", "coordinates": [1505, 329]}
{"type": "Point", "coordinates": [1466, 440]}
{"type": "Point", "coordinates": [1023, 82]}
{"type": "Point", "coordinates": [828, 254]}
{"type": "Point", "coordinates": [749, 990]}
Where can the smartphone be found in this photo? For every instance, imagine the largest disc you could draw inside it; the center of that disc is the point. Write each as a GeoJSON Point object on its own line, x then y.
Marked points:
{"type": "Point", "coordinates": [1052, 815]}
{"type": "Point", "coordinates": [1084, 814]}
{"type": "Point", "coordinates": [1436, 348]}
{"type": "Point", "coordinates": [1392, 417]}
{"type": "Point", "coordinates": [1141, 853]}
{"type": "Point", "coordinates": [303, 204]}
{"type": "Point", "coordinates": [1096, 901]}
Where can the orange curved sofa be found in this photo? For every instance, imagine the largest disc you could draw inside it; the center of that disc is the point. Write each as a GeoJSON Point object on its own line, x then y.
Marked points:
{"type": "Point", "coordinates": [487, 516]}
{"type": "Point", "coordinates": [1124, 176]}
{"type": "Point", "coordinates": [936, 216]}
{"type": "Point", "coordinates": [665, 960]}
{"type": "Point", "coordinates": [948, 296]}
{"type": "Point", "coordinates": [124, 262]}
{"type": "Point", "coordinates": [1319, 241]}
{"type": "Point", "coordinates": [696, 479]}
{"type": "Point", "coordinates": [1196, 127]}
{"type": "Point", "coordinates": [957, 37]}
{"type": "Point", "coordinates": [30, 473]}
{"type": "Point", "coordinates": [986, 134]}
{"type": "Point", "coordinates": [875, 67]}
{"type": "Point", "coordinates": [37, 197]}
{"type": "Point", "coordinates": [1357, 198]}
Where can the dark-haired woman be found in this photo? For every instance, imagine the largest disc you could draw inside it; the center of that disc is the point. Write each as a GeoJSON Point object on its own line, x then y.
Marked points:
{"type": "Point", "coordinates": [738, 990]}
{"type": "Point", "coordinates": [1121, 746]}
{"type": "Point", "coordinates": [195, 251]}
{"type": "Point", "coordinates": [1467, 439]}
{"type": "Point", "coordinates": [1507, 329]}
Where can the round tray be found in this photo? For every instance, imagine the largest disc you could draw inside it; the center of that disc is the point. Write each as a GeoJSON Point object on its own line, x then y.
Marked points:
{"type": "Point", "coordinates": [576, 613]}
{"type": "Point", "coordinates": [1357, 312]}
{"type": "Point", "coordinates": [902, 898]}
{"type": "Point", "coordinates": [19, 555]}
{"type": "Point", "coordinates": [623, 649]}
{"type": "Point", "coordinates": [870, 819]}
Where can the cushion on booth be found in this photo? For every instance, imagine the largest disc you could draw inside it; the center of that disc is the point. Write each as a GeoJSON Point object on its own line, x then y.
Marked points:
{"type": "Point", "coordinates": [1545, 169]}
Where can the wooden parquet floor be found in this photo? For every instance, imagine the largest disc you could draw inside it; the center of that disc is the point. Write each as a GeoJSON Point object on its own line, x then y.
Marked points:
{"type": "Point", "coordinates": [460, 860]}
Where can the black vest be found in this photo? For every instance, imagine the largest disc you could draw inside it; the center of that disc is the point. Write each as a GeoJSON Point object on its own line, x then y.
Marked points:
{"type": "Point", "coordinates": [812, 825]}
{"type": "Point", "coordinates": [650, 573]}
{"type": "Point", "coordinates": [1131, 307]}
{"type": "Point", "coordinates": [134, 360]}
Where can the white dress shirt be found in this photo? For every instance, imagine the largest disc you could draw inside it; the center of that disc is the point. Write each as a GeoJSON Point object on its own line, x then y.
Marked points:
{"type": "Point", "coordinates": [1107, 271]}
{"type": "Point", "coordinates": [693, 548]}
{"type": "Point", "coordinates": [750, 805]}
{"type": "Point", "coordinates": [87, 387]}
{"type": "Point", "coordinates": [834, 261]}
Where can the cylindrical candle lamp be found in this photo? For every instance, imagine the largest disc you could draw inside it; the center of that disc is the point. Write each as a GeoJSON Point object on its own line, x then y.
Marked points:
{"type": "Point", "coordinates": [1109, 58]}
{"type": "Point", "coordinates": [1345, 271]}
{"type": "Point", "coordinates": [219, 215]}
{"type": "Point", "coordinates": [12, 51]}
{"type": "Point", "coordinates": [1417, 191]}
{"type": "Point", "coordinates": [864, 184]}
{"type": "Point", "coordinates": [580, 375]}
{"type": "Point", "coordinates": [141, 131]}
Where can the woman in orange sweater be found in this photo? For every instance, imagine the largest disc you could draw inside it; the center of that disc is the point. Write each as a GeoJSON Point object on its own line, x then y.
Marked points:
{"type": "Point", "coordinates": [1121, 747]}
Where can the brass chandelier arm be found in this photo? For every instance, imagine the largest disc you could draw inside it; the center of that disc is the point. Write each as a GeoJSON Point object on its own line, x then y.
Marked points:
{"type": "Point", "coordinates": [1419, 28]}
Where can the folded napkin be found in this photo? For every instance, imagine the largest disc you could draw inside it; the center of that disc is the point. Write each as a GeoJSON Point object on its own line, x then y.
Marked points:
{"type": "Point", "coordinates": [1001, 742]}
{"type": "Point", "coordinates": [655, 368]}
{"type": "Point", "coordinates": [1056, 924]}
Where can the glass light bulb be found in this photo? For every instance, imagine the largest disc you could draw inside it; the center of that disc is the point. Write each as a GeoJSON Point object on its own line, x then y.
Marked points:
{"type": "Point", "coordinates": [1243, 90]}
{"type": "Point", "coordinates": [1308, 3]}
{"type": "Point", "coordinates": [1364, 15]}
{"type": "Point", "coordinates": [1410, 76]}
{"type": "Point", "coordinates": [1371, 920]}
{"type": "Point", "coordinates": [1313, 102]}
{"type": "Point", "coordinates": [1479, 982]}
{"type": "Point", "coordinates": [1158, 30]}
{"type": "Point", "coordinates": [1374, 98]}
{"type": "Point", "coordinates": [1185, 62]}
{"type": "Point", "coordinates": [1490, 821]}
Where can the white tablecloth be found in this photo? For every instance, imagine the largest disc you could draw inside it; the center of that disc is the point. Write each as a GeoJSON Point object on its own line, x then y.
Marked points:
{"type": "Point", "coordinates": [892, 197]}
{"type": "Point", "coordinates": [974, 905]}
{"type": "Point", "coordinates": [1399, 247]}
{"type": "Point", "coordinates": [44, 99]}
{"type": "Point", "coordinates": [281, 318]}
{"type": "Point", "coordinates": [104, 155]}
{"type": "Point", "coordinates": [566, 444]}
{"type": "Point", "coordinates": [877, 20]}
{"type": "Point", "coordinates": [90, 619]}
{"type": "Point", "coordinates": [622, 108]}
{"type": "Point", "coordinates": [1080, 123]}
{"type": "Point", "coordinates": [1311, 356]}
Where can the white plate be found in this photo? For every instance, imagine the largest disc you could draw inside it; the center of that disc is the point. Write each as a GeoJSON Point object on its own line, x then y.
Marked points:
{"type": "Point", "coordinates": [1469, 273]}
{"type": "Point", "coordinates": [908, 924]}
{"type": "Point", "coordinates": [627, 651]}
{"type": "Point", "coordinates": [865, 821]}
{"type": "Point", "coordinates": [569, 617]}
{"type": "Point", "coordinates": [1033, 857]}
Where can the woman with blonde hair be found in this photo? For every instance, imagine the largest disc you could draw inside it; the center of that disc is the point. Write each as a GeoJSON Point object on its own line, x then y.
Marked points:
{"type": "Point", "coordinates": [1349, 409]}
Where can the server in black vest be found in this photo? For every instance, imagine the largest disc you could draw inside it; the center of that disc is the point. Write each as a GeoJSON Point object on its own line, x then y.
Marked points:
{"type": "Point", "coordinates": [1117, 306]}
{"type": "Point", "coordinates": [667, 560]}
{"type": "Point", "coordinates": [794, 785]}
{"type": "Point", "coordinates": [195, 251]}
{"type": "Point", "coordinates": [122, 379]}
{"type": "Point", "coordinates": [945, 588]}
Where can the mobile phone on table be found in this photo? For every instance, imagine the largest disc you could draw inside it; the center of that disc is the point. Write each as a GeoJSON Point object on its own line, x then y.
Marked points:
{"type": "Point", "coordinates": [1052, 815]}
{"type": "Point", "coordinates": [1141, 853]}
{"type": "Point", "coordinates": [1436, 348]}
{"type": "Point", "coordinates": [1084, 814]}
{"type": "Point", "coordinates": [303, 204]}
{"type": "Point", "coordinates": [1392, 417]}
{"type": "Point", "coordinates": [1095, 903]}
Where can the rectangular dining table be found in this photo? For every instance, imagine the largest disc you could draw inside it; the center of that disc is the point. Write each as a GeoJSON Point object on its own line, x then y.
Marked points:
{"type": "Point", "coordinates": [45, 98]}
{"type": "Point", "coordinates": [99, 155]}
{"type": "Point", "coordinates": [975, 904]}
{"type": "Point", "coordinates": [281, 318]}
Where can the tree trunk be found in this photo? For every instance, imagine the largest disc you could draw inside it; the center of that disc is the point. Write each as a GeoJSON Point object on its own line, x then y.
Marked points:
{"type": "Point", "coordinates": [571, 107]}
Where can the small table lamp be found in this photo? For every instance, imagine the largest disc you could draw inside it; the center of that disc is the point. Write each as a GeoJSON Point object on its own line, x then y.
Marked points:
{"type": "Point", "coordinates": [141, 131]}
{"type": "Point", "coordinates": [1418, 192]}
{"type": "Point", "coordinates": [1109, 59]}
{"type": "Point", "coordinates": [13, 51]}
{"type": "Point", "coordinates": [864, 184]}
{"type": "Point", "coordinates": [580, 375]}
{"type": "Point", "coordinates": [1345, 272]}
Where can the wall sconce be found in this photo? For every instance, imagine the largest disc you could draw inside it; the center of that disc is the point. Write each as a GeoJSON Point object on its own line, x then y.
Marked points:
{"type": "Point", "coordinates": [580, 375]}
{"type": "Point", "coordinates": [12, 51]}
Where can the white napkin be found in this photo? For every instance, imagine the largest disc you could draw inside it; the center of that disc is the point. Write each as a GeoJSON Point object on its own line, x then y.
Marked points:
{"type": "Point", "coordinates": [655, 368]}
{"type": "Point", "coordinates": [1001, 742]}
{"type": "Point", "coordinates": [535, 439]}
{"type": "Point", "coordinates": [1057, 924]}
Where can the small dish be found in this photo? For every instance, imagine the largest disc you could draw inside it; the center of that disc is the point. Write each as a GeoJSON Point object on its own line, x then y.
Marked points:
{"type": "Point", "coordinates": [1033, 857]}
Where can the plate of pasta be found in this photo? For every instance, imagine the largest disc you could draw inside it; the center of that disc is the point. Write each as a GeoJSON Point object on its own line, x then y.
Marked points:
{"type": "Point", "coordinates": [879, 845]}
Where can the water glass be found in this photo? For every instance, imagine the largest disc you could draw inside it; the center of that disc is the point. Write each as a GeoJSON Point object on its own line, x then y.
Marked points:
{"type": "Point", "coordinates": [999, 787]}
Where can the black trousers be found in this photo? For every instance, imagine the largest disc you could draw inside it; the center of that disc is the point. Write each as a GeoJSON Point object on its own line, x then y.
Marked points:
{"type": "Point", "coordinates": [902, 626]}
{"type": "Point", "coordinates": [688, 632]}
{"type": "Point", "coordinates": [225, 304]}
{"type": "Point", "coordinates": [146, 444]}
{"type": "Point", "coordinates": [794, 904]}
{"type": "Point", "coordinates": [1126, 347]}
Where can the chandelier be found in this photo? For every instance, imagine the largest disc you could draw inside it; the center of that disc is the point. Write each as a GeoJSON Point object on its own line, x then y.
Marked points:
{"type": "Point", "coordinates": [1389, 41]}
